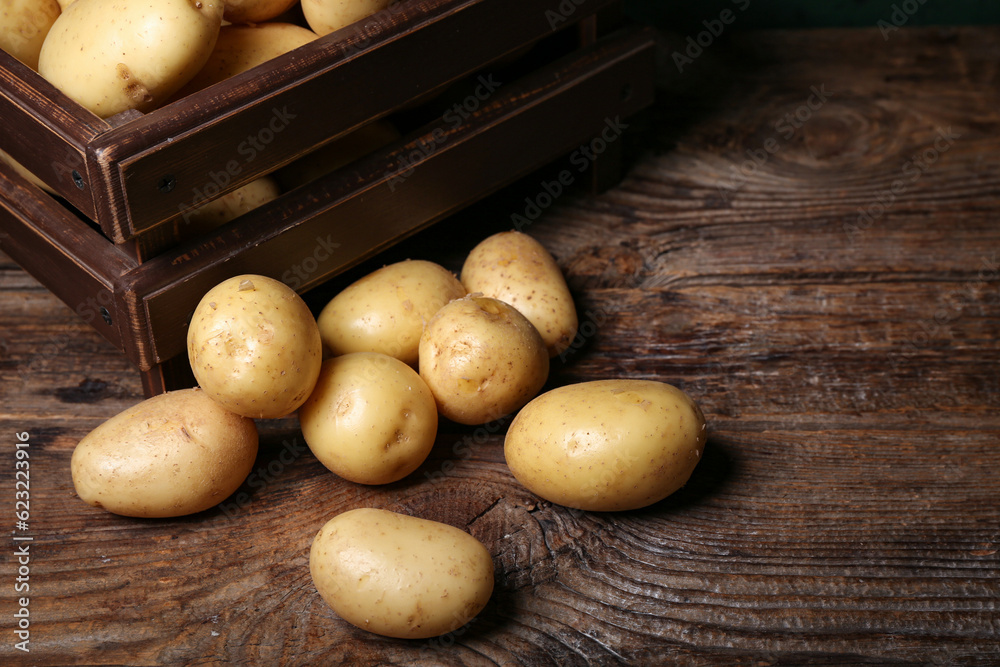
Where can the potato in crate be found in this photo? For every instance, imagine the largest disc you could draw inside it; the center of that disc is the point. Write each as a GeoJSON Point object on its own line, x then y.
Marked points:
{"type": "Point", "coordinates": [292, 151]}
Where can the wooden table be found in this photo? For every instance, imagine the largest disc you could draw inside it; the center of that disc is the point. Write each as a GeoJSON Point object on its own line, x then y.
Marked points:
{"type": "Point", "coordinates": [806, 241]}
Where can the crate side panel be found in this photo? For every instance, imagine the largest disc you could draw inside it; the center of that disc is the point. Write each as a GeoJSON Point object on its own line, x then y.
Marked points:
{"type": "Point", "coordinates": [402, 194]}
{"type": "Point", "coordinates": [63, 253]}
{"type": "Point", "coordinates": [162, 166]}
{"type": "Point", "coordinates": [47, 133]}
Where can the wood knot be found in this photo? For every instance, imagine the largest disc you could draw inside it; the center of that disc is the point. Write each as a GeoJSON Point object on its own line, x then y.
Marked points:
{"type": "Point", "coordinates": [614, 266]}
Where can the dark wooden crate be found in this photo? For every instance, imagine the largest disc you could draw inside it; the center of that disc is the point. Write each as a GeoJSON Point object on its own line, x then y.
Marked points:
{"type": "Point", "coordinates": [106, 246]}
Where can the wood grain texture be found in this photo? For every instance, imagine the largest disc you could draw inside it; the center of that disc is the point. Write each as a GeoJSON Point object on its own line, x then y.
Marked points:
{"type": "Point", "coordinates": [846, 511]}
{"type": "Point", "coordinates": [68, 256]}
{"type": "Point", "coordinates": [310, 234]}
{"type": "Point", "coordinates": [259, 120]}
{"type": "Point", "coordinates": [47, 132]}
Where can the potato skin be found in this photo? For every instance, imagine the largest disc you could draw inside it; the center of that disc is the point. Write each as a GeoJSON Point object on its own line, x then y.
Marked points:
{"type": "Point", "coordinates": [482, 359]}
{"type": "Point", "coordinates": [242, 47]}
{"type": "Point", "coordinates": [171, 455]}
{"type": "Point", "coordinates": [386, 310]}
{"type": "Point", "coordinates": [517, 269]}
{"type": "Point", "coordinates": [254, 346]}
{"type": "Point", "coordinates": [400, 576]}
{"type": "Point", "coordinates": [606, 445]}
{"type": "Point", "coordinates": [113, 55]}
{"type": "Point", "coordinates": [229, 206]}
{"type": "Point", "coordinates": [326, 16]}
{"type": "Point", "coordinates": [370, 419]}
{"type": "Point", "coordinates": [24, 25]}
{"type": "Point", "coordinates": [255, 11]}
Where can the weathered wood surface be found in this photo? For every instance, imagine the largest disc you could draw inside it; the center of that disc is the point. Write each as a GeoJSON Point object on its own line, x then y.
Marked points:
{"type": "Point", "coordinates": [847, 510]}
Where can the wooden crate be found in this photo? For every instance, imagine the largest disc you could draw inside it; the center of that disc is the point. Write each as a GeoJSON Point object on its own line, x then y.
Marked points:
{"type": "Point", "coordinates": [106, 244]}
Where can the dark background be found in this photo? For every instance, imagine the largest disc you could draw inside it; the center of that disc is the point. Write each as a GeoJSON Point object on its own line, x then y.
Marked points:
{"type": "Point", "coordinates": [686, 16]}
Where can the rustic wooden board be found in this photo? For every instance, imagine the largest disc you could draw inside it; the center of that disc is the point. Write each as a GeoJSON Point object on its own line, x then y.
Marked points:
{"type": "Point", "coordinates": [385, 197]}
{"type": "Point", "coordinates": [846, 511]}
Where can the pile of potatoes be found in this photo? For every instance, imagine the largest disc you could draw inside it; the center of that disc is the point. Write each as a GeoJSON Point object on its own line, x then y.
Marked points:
{"type": "Point", "coordinates": [111, 56]}
{"type": "Point", "coordinates": [369, 379]}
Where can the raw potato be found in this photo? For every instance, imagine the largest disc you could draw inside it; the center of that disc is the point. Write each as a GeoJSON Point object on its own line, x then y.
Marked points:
{"type": "Point", "coordinates": [171, 455]}
{"type": "Point", "coordinates": [482, 359]}
{"type": "Point", "coordinates": [326, 16]}
{"type": "Point", "coordinates": [242, 47]}
{"type": "Point", "coordinates": [229, 206]}
{"type": "Point", "coordinates": [255, 11]}
{"type": "Point", "coordinates": [386, 310]}
{"type": "Point", "coordinates": [606, 445]}
{"type": "Point", "coordinates": [113, 55]}
{"type": "Point", "coordinates": [370, 418]}
{"type": "Point", "coordinates": [400, 576]}
{"type": "Point", "coordinates": [517, 269]}
{"type": "Point", "coordinates": [24, 25]}
{"type": "Point", "coordinates": [254, 346]}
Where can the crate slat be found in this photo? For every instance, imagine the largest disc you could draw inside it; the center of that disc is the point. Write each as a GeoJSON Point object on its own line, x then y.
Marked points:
{"type": "Point", "coordinates": [111, 238]}
{"type": "Point", "coordinates": [73, 260]}
{"type": "Point", "coordinates": [351, 215]}
{"type": "Point", "coordinates": [259, 122]}
{"type": "Point", "coordinates": [47, 132]}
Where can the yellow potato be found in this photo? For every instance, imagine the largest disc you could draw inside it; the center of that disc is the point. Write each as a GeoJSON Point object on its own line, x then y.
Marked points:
{"type": "Point", "coordinates": [326, 16]}
{"type": "Point", "coordinates": [110, 55]}
{"type": "Point", "coordinates": [230, 206]}
{"type": "Point", "coordinates": [370, 418]}
{"type": "Point", "coordinates": [606, 445]}
{"type": "Point", "coordinates": [24, 25]}
{"type": "Point", "coordinates": [517, 269]}
{"type": "Point", "coordinates": [386, 310]}
{"type": "Point", "coordinates": [482, 359]}
{"type": "Point", "coordinates": [171, 455]}
{"type": "Point", "coordinates": [254, 346]}
{"type": "Point", "coordinates": [400, 576]}
{"type": "Point", "coordinates": [242, 47]}
{"type": "Point", "coordinates": [255, 11]}
{"type": "Point", "coordinates": [336, 154]}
